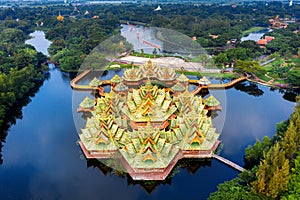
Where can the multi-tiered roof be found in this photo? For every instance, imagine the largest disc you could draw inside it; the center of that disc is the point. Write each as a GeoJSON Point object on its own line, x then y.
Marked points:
{"type": "Point", "coordinates": [149, 128]}
{"type": "Point", "coordinates": [149, 70]}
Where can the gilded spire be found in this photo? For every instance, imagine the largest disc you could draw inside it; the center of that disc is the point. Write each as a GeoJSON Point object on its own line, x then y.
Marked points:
{"type": "Point", "coordinates": [60, 17]}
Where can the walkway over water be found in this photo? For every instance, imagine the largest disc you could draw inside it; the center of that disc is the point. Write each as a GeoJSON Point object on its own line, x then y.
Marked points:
{"type": "Point", "coordinates": [73, 82]}
{"type": "Point", "coordinates": [217, 86]}
{"type": "Point", "coordinates": [228, 162]}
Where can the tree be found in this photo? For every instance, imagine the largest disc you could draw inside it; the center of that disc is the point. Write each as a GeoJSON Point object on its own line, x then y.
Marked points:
{"type": "Point", "coordinates": [293, 191]}
{"type": "Point", "coordinates": [154, 52]}
{"type": "Point", "coordinates": [249, 67]}
{"type": "Point", "coordinates": [289, 141]}
{"type": "Point", "coordinates": [12, 35]}
{"type": "Point", "coordinates": [221, 59]}
{"type": "Point", "coordinates": [233, 190]}
{"type": "Point", "coordinates": [254, 154]}
{"type": "Point", "coordinates": [273, 173]}
{"type": "Point", "coordinates": [294, 76]}
{"type": "Point", "coordinates": [142, 52]}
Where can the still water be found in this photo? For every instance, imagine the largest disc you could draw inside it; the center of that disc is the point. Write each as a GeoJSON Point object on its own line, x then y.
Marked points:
{"type": "Point", "coordinates": [38, 41]}
{"type": "Point", "coordinates": [255, 36]}
{"type": "Point", "coordinates": [41, 158]}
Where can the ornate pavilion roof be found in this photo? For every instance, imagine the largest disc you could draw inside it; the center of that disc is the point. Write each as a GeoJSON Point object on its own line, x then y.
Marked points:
{"type": "Point", "coordinates": [95, 82]}
{"type": "Point", "coordinates": [151, 128]}
{"type": "Point", "coordinates": [121, 87]}
{"type": "Point", "coordinates": [204, 81]}
{"type": "Point", "coordinates": [211, 101]}
{"type": "Point", "coordinates": [149, 102]}
{"type": "Point", "coordinates": [116, 79]}
{"type": "Point", "coordinates": [149, 70]}
{"type": "Point", "coordinates": [87, 103]}
{"type": "Point", "coordinates": [178, 87]}
{"type": "Point", "coordinates": [182, 78]}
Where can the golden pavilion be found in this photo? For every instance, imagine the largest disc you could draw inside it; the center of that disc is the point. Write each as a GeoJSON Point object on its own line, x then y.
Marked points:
{"type": "Point", "coordinates": [60, 17]}
{"type": "Point", "coordinates": [150, 127]}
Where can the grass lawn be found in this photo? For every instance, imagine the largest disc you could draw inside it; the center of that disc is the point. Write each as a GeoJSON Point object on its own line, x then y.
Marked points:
{"type": "Point", "coordinates": [275, 63]}
{"type": "Point", "coordinates": [121, 66]}
{"type": "Point", "coordinates": [263, 77]}
{"type": "Point", "coordinates": [145, 55]}
{"type": "Point", "coordinates": [280, 81]}
{"type": "Point", "coordinates": [252, 29]}
{"type": "Point", "coordinates": [215, 75]}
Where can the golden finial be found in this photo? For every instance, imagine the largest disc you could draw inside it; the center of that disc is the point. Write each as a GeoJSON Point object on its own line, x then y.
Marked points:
{"type": "Point", "coordinates": [148, 120]}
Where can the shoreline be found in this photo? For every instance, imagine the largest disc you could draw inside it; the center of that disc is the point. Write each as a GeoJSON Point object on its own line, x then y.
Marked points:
{"type": "Point", "coordinates": [165, 61]}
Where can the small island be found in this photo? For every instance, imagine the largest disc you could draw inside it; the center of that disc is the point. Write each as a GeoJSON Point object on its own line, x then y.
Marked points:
{"type": "Point", "coordinates": [149, 120]}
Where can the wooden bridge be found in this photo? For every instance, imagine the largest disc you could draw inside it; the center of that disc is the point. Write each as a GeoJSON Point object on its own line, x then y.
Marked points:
{"type": "Point", "coordinates": [227, 85]}
{"type": "Point", "coordinates": [228, 162]}
{"type": "Point", "coordinates": [216, 86]}
{"type": "Point", "coordinates": [73, 82]}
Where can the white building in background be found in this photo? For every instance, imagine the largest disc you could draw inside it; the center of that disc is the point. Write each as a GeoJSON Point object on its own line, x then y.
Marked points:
{"type": "Point", "coordinates": [158, 8]}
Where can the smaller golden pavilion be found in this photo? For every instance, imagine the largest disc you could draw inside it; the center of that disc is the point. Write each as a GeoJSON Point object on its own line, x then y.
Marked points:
{"type": "Point", "coordinates": [60, 17]}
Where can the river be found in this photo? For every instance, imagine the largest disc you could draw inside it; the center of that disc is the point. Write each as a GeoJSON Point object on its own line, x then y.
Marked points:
{"type": "Point", "coordinates": [41, 158]}
{"type": "Point", "coordinates": [38, 41]}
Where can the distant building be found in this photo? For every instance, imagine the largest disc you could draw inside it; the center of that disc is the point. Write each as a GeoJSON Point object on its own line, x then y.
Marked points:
{"type": "Point", "coordinates": [60, 17]}
{"type": "Point", "coordinates": [269, 38]}
{"type": "Point", "coordinates": [158, 8]}
{"type": "Point", "coordinates": [278, 23]}
{"type": "Point", "coordinates": [262, 43]}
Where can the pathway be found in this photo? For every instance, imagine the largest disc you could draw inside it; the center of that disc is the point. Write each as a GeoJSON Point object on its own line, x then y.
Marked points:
{"type": "Point", "coordinates": [217, 86]}
{"type": "Point", "coordinates": [228, 162]}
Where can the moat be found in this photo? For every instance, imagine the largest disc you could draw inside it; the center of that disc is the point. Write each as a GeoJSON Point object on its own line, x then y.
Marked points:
{"type": "Point", "coordinates": [41, 158]}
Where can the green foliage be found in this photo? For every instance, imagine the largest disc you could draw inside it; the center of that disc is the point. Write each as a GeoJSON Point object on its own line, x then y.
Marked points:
{"type": "Point", "coordinates": [20, 65]}
{"type": "Point", "coordinates": [233, 190]}
{"type": "Point", "coordinates": [289, 142]}
{"type": "Point", "coordinates": [254, 154]}
{"type": "Point", "coordinates": [286, 43]}
{"type": "Point", "coordinates": [12, 35]}
{"type": "Point", "coordinates": [71, 59]}
{"type": "Point", "coordinates": [270, 161]}
{"type": "Point", "coordinates": [293, 191]}
{"type": "Point", "coordinates": [249, 67]}
{"type": "Point", "coordinates": [294, 76]}
{"type": "Point", "coordinates": [281, 128]}
{"type": "Point", "coordinates": [272, 174]}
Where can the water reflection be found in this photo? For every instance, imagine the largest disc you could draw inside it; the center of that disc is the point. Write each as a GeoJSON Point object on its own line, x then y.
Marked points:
{"type": "Point", "coordinates": [288, 94]}
{"type": "Point", "coordinates": [250, 88]}
{"type": "Point", "coordinates": [15, 113]}
{"type": "Point", "coordinates": [191, 165]}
